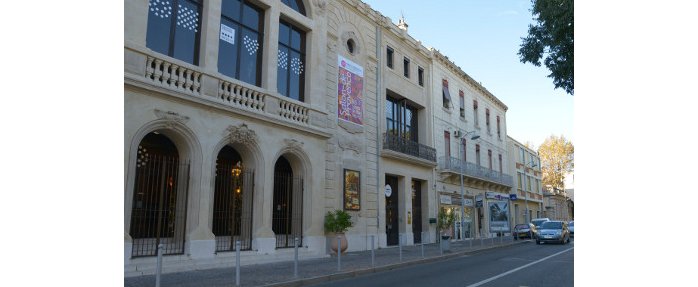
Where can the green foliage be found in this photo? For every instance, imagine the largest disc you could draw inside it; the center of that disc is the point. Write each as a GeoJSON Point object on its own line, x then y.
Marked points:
{"type": "Point", "coordinates": [338, 221]}
{"type": "Point", "coordinates": [553, 35]}
{"type": "Point", "coordinates": [445, 219]}
{"type": "Point", "coordinates": [556, 158]}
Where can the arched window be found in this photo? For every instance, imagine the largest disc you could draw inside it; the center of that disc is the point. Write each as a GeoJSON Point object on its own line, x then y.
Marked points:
{"type": "Point", "coordinates": [174, 28]}
{"type": "Point", "coordinates": [159, 201]}
{"type": "Point", "coordinates": [287, 213]}
{"type": "Point", "coordinates": [240, 41]}
{"type": "Point", "coordinates": [295, 5]}
{"type": "Point", "coordinates": [291, 61]}
{"type": "Point", "coordinates": [232, 205]}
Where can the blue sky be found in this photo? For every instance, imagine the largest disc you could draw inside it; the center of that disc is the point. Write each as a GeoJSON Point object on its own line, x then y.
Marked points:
{"type": "Point", "coordinates": [483, 37]}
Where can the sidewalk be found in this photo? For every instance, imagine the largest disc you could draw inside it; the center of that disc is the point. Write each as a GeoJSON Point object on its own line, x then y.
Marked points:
{"type": "Point", "coordinates": [312, 271]}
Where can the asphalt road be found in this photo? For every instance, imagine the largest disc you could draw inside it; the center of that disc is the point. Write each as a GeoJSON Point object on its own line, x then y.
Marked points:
{"type": "Point", "coordinates": [518, 265]}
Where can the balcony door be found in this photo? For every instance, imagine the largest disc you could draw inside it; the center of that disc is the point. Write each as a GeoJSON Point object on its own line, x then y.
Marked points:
{"type": "Point", "coordinates": [401, 119]}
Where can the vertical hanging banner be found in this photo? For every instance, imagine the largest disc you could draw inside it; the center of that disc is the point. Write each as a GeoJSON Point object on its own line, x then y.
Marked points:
{"type": "Point", "coordinates": [350, 91]}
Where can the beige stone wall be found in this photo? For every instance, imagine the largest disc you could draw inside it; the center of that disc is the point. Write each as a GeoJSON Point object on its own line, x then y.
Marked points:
{"type": "Point", "coordinates": [516, 167]}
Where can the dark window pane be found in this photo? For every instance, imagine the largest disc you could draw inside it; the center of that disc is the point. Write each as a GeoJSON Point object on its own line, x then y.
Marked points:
{"type": "Point", "coordinates": [282, 72]}
{"type": "Point", "coordinates": [250, 58]}
{"type": "Point", "coordinates": [390, 57]}
{"type": "Point", "coordinates": [284, 34]}
{"type": "Point", "coordinates": [231, 9]}
{"type": "Point", "coordinates": [160, 15]}
{"type": "Point", "coordinates": [296, 76]}
{"type": "Point", "coordinates": [296, 40]}
{"type": "Point", "coordinates": [227, 52]}
{"type": "Point", "coordinates": [186, 32]}
{"type": "Point", "coordinates": [250, 17]}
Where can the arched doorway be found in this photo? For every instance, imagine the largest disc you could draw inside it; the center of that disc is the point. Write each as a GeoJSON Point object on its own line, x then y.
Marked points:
{"type": "Point", "coordinates": [158, 212]}
{"type": "Point", "coordinates": [232, 204]}
{"type": "Point", "coordinates": [287, 214]}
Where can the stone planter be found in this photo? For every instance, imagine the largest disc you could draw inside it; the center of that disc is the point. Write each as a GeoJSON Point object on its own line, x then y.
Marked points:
{"type": "Point", "coordinates": [445, 242]}
{"type": "Point", "coordinates": [333, 242]}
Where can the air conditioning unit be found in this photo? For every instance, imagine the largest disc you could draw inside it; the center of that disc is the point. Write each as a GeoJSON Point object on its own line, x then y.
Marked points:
{"type": "Point", "coordinates": [457, 134]}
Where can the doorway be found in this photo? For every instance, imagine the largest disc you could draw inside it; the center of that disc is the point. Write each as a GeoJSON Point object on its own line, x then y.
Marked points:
{"type": "Point", "coordinates": [392, 229]}
{"type": "Point", "coordinates": [417, 211]}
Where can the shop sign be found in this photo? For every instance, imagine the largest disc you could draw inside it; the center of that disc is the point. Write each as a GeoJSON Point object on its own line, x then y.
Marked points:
{"type": "Point", "coordinates": [445, 199]}
{"type": "Point", "coordinates": [468, 202]}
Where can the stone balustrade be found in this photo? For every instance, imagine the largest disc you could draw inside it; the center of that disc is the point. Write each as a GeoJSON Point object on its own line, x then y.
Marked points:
{"type": "Point", "coordinates": [172, 74]}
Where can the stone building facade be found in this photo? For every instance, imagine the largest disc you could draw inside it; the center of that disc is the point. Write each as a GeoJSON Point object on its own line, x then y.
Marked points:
{"type": "Point", "coordinates": [525, 165]}
{"type": "Point", "coordinates": [470, 139]}
{"type": "Point", "coordinates": [249, 120]}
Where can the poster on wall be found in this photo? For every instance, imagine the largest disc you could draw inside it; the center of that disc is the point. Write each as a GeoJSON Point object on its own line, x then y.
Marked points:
{"type": "Point", "coordinates": [499, 216]}
{"type": "Point", "coordinates": [350, 91]}
{"type": "Point", "coordinates": [352, 190]}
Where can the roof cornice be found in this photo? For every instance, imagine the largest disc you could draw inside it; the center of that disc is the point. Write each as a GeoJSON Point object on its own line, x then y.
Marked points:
{"type": "Point", "coordinates": [457, 70]}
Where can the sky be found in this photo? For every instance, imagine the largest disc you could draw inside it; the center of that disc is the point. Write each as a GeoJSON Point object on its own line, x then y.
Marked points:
{"type": "Point", "coordinates": [483, 38]}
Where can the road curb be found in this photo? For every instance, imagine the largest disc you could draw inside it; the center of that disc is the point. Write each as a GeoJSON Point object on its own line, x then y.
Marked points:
{"type": "Point", "coordinates": [354, 273]}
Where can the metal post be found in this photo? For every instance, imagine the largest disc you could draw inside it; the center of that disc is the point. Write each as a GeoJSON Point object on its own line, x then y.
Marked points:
{"type": "Point", "coordinates": [441, 244]}
{"type": "Point", "coordinates": [339, 253]}
{"type": "Point", "coordinates": [373, 255]}
{"type": "Point", "coordinates": [423, 237]}
{"type": "Point", "coordinates": [462, 199]}
{"type": "Point", "coordinates": [400, 245]}
{"type": "Point", "coordinates": [237, 263]}
{"type": "Point", "coordinates": [295, 263]}
{"type": "Point", "coordinates": [159, 265]}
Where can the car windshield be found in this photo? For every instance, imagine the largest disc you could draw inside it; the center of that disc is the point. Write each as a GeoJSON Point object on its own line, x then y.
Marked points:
{"type": "Point", "coordinates": [552, 225]}
{"type": "Point", "coordinates": [521, 226]}
{"type": "Point", "coordinates": [571, 224]}
{"type": "Point", "coordinates": [537, 223]}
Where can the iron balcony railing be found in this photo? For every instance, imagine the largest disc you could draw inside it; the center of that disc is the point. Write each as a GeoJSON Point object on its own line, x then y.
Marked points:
{"type": "Point", "coordinates": [473, 170]}
{"type": "Point", "coordinates": [396, 143]}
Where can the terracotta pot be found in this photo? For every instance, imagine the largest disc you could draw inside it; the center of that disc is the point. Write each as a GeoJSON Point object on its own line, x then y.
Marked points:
{"type": "Point", "coordinates": [333, 242]}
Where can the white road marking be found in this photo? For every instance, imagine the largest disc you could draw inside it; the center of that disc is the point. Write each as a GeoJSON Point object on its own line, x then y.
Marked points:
{"type": "Point", "coordinates": [517, 269]}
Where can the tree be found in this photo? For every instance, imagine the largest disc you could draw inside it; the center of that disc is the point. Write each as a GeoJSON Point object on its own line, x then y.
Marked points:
{"type": "Point", "coordinates": [552, 36]}
{"type": "Point", "coordinates": [556, 158]}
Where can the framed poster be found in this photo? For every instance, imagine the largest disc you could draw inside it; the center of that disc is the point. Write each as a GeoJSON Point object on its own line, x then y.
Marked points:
{"type": "Point", "coordinates": [499, 216]}
{"type": "Point", "coordinates": [352, 190]}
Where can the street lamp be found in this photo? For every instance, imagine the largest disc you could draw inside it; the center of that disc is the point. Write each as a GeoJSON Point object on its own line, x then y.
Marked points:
{"type": "Point", "coordinates": [462, 199]}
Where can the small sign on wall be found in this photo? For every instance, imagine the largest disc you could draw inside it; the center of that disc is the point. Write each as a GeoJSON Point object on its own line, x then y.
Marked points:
{"type": "Point", "coordinates": [227, 34]}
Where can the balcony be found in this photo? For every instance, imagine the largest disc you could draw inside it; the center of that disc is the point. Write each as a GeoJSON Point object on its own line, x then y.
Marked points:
{"type": "Point", "coordinates": [398, 144]}
{"type": "Point", "coordinates": [454, 165]}
{"type": "Point", "coordinates": [164, 74]}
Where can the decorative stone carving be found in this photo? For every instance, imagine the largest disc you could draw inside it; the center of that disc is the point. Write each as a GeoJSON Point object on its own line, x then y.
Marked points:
{"type": "Point", "coordinates": [320, 5]}
{"type": "Point", "coordinates": [241, 134]}
{"type": "Point", "coordinates": [171, 117]}
{"type": "Point", "coordinates": [294, 143]}
{"type": "Point", "coordinates": [350, 145]}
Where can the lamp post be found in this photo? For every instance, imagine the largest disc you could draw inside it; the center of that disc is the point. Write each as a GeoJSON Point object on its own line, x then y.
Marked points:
{"type": "Point", "coordinates": [462, 199]}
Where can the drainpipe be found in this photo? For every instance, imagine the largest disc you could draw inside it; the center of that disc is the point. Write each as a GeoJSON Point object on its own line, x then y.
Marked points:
{"type": "Point", "coordinates": [378, 135]}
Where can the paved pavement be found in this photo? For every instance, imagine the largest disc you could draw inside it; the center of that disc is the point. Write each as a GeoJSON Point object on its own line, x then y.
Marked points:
{"type": "Point", "coordinates": [313, 271]}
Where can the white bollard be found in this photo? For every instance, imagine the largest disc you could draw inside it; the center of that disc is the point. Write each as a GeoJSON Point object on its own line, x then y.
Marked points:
{"type": "Point", "coordinates": [237, 263]}
{"type": "Point", "coordinates": [159, 265]}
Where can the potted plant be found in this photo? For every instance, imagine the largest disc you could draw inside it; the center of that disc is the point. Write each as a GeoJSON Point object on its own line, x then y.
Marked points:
{"type": "Point", "coordinates": [443, 224]}
{"type": "Point", "coordinates": [336, 223]}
